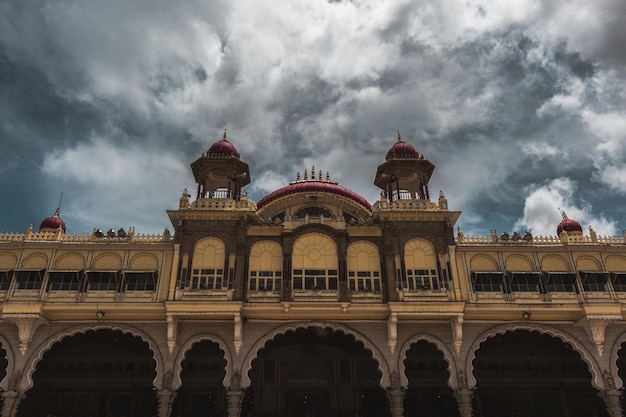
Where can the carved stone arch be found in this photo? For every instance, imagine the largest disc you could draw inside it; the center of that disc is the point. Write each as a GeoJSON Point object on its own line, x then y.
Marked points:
{"type": "Point", "coordinates": [587, 263]}
{"type": "Point", "coordinates": [554, 263]}
{"type": "Point", "coordinates": [318, 248]}
{"type": "Point", "coordinates": [364, 254]}
{"type": "Point", "coordinates": [70, 261]}
{"type": "Point", "coordinates": [613, 359]}
{"type": "Point", "coordinates": [107, 261]}
{"type": "Point", "coordinates": [419, 254]}
{"type": "Point", "coordinates": [10, 356]}
{"type": "Point", "coordinates": [8, 260]}
{"type": "Point", "coordinates": [615, 263]}
{"type": "Point", "coordinates": [264, 254]}
{"type": "Point", "coordinates": [585, 355]}
{"type": "Point", "coordinates": [483, 263]}
{"type": "Point", "coordinates": [186, 347]}
{"type": "Point", "coordinates": [322, 229]}
{"type": "Point", "coordinates": [519, 263]}
{"type": "Point", "coordinates": [377, 355]}
{"type": "Point", "coordinates": [143, 262]}
{"type": "Point", "coordinates": [31, 365]}
{"type": "Point", "coordinates": [441, 346]}
{"type": "Point", "coordinates": [35, 261]}
{"type": "Point", "coordinates": [210, 251]}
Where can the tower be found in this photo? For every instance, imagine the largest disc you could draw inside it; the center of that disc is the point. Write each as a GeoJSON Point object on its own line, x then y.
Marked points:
{"type": "Point", "coordinates": [219, 173]}
{"type": "Point", "coordinates": [405, 173]}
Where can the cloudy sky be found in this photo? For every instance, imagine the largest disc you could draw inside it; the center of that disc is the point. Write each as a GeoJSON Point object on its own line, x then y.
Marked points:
{"type": "Point", "coordinates": [521, 105]}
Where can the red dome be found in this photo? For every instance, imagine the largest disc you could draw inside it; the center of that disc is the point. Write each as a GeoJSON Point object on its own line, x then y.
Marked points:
{"type": "Point", "coordinates": [223, 148]}
{"type": "Point", "coordinates": [402, 150]}
{"type": "Point", "coordinates": [313, 187]}
{"type": "Point", "coordinates": [53, 222]}
{"type": "Point", "coordinates": [570, 226]}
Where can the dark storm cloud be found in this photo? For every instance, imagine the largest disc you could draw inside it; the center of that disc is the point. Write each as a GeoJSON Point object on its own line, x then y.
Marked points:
{"type": "Point", "coordinates": [518, 104]}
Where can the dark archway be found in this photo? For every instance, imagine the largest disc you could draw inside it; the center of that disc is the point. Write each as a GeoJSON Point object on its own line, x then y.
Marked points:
{"type": "Point", "coordinates": [4, 363]}
{"type": "Point", "coordinates": [315, 372]}
{"type": "Point", "coordinates": [428, 393]}
{"type": "Point", "coordinates": [101, 373]}
{"type": "Point", "coordinates": [524, 374]}
{"type": "Point", "coordinates": [621, 372]}
{"type": "Point", "coordinates": [202, 392]}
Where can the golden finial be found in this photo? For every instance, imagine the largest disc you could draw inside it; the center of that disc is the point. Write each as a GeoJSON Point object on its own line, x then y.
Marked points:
{"type": "Point", "coordinates": [224, 138]}
{"type": "Point", "coordinates": [306, 175]}
{"type": "Point", "coordinates": [298, 179]}
{"type": "Point", "coordinates": [313, 173]}
{"type": "Point", "coordinates": [327, 177]}
{"type": "Point", "coordinates": [563, 214]}
{"type": "Point", "coordinates": [399, 138]}
{"type": "Point", "coordinates": [319, 177]}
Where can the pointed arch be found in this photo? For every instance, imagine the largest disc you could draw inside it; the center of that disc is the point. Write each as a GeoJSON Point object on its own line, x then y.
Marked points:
{"type": "Point", "coordinates": [8, 260]}
{"type": "Point", "coordinates": [10, 357]}
{"type": "Point", "coordinates": [253, 353]}
{"type": "Point", "coordinates": [70, 261]}
{"type": "Point", "coordinates": [37, 355]}
{"type": "Point", "coordinates": [617, 346]}
{"type": "Point", "coordinates": [554, 263]}
{"type": "Point", "coordinates": [441, 346]}
{"type": "Point", "coordinates": [483, 263]}
{"type": "Point", "coordinates": [586, 356]}
{"type": "Point", "coordinates": [144, 262]}
{"type": "Point", "coordinates": [209, 252]}
{"type": "Point", "coordinates": [177, 382]}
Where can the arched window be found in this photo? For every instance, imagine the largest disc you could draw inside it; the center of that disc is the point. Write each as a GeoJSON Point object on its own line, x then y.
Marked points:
{"type": "Point", "coordinates": [265, 267]}
{"type": "Point", "coordinates": [207, 265]}
{"type": "Point", "coordinates": [314, 262]}
{"type": "Point", "coordinates": [421, 265]}
{"type": "Point", "coordinates": [363, 267]}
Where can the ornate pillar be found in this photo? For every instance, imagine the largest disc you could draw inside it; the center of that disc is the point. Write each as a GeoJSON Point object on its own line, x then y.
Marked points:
{"type": "Point", "coordinates": [396, 401]}
{"type": "Point", "coordinates": [395, 395]}
{"type": "Point", "coordinates": [612, 401]}
{"type": "Point", "coordinates": [234, 401]}
{"type": "Point", "coordinates": [11, 401]}
{"type": "Point", "coordinates": [166, 398]}
{"type": "Point", "coordinates": [464, 399]}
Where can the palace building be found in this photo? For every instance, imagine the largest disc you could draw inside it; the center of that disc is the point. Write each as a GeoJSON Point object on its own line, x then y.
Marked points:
{"type": "Point", "coordinates": [311, 302]}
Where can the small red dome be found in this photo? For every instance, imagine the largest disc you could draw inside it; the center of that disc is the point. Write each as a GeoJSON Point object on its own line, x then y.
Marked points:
{"type": "Point", "coordinates": [53, 222]}
{"type": "Point", "coordinates": [570, 226]}
{"type": "Point", "coordinates": [402, 150]}
{"type": "Point", "coordinates": [223, 149]}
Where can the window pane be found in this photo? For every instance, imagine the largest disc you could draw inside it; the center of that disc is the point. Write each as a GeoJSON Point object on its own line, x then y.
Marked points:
{"type": "Point", "coordinates": [29, 280]}
{"type": "Point", "coordinates": [141, 281]}
{"type": "Point", "coordinates": [64, 281]}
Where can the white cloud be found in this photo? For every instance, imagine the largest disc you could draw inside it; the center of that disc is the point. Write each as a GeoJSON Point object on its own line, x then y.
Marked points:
{"type": "Point", "coordinates": [541, 207]}
{"type": "Point", "coordinates": [106, 183]}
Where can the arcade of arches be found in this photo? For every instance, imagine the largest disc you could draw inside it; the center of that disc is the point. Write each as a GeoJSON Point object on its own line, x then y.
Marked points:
{"type": "Point", "coordinates": [313, 371]}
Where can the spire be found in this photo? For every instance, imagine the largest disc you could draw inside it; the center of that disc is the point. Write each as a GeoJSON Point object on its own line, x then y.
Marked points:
{"type": "Point", "coordinates": [224, 138]}
{"type": "Point", "coordinates": [399, 138]}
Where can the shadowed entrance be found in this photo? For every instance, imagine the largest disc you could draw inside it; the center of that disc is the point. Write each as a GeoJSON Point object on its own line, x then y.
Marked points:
{"type": "Point", "coordinates": [428, 393]}
{"type": "Point", "coordinates": [98, 373]}
{"type": "Point", "coordinates": [315, 372]}
{"type": "Point", "coordinates": [526, 374]}
{"type": "Point", "coordinates": [202, 392]}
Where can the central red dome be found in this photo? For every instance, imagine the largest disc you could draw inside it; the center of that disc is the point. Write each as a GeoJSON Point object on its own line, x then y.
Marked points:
{"type": "Point", "coordinates": [312, 187]}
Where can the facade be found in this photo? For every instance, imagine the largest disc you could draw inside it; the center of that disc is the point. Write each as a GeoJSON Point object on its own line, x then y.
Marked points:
{"type": "Point", "coordinates": [311, 302]}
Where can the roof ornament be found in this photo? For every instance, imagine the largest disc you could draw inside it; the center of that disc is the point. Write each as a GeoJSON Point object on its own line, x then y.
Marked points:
{"type": "Point", "coordinates": [298, 179]}
{"type": "Point", "coordinates": [313, 173]}
{"type": "Point", "coordinates": [399, 138]}
{"type": "Point", "coordinates": [224, 138]}
{"type": "Point", "coordinates": [306, 175]}
{"type": "Point", "coordinates": [563, 214]}
{"type": "Point", "coordinates": [327, 177]}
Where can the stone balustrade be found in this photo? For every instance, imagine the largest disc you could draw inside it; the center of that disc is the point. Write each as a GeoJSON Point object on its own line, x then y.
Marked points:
{"type": "Point", "coordinates": [84, 237]}
{"type": "Point", "coordinates": [540, 240]}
